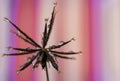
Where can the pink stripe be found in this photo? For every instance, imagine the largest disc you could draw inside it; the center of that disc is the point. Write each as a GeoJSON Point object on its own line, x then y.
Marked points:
{"type": "Point", "coordinates": [85, 71]}
{"type": "Point", "coordinates": [37, 76]}
{"type": "Point", "coordinates": [26, 21]}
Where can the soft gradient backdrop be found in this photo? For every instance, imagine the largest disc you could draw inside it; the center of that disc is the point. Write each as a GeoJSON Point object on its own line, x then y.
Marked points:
{"type": "Point", "coordinates": [95, 24]}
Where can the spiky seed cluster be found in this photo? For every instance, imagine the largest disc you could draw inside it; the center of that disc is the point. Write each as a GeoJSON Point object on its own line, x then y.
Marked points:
{"type": "Point", "coordinates": [42, 54]}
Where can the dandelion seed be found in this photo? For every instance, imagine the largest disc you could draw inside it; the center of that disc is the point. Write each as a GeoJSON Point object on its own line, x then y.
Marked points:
{"type": "Point", "coordinates": [43, 54]}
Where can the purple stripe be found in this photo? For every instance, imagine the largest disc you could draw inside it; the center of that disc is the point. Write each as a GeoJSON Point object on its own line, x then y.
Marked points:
{"type": "Point", "coordinates": [12, 61]}
{"type": "Point", "coordinates": [96, 41]}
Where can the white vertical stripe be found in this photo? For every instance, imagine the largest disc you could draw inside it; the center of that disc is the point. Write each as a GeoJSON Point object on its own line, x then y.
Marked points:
{"type": "Point", "coordinates": [116, 37]}
{"type": "Point", "coordinates": [44, 11]}
{"type": "Point", "coordinates": [111, 40]}
{"type": "Point", "coordinates": [71, 29]}
{"type": "Point", "coordinates": [4, 12]}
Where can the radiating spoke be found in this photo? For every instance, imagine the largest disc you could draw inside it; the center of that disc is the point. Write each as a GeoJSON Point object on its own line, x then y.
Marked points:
{"type": "Point", "coordinates": [45, 34]}
{"type": "Point", "coordinates": [51, 24]}
{"type": "Point", "coordinates": [60, 45]}
{"type": "Point", "coordinates": [27, 64]}
{"type": "Point", "coordinates": [53, 62]}
{"type": "Point", "coordinates": [17, 54]}
{"type": "Point", "coordinates": [23, 33]}
{"type": "Point", "coordinates": [63, 57]}
{"type": "Point", "coordinates": [21, 37]}
{"type": "Point", "coordinates": [65, 53]}
{"type": "Point", "coordinates": [24, 49]}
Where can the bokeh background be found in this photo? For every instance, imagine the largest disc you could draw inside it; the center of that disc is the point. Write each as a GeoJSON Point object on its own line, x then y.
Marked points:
{"type": "Point", "coordinates": [95, 24]}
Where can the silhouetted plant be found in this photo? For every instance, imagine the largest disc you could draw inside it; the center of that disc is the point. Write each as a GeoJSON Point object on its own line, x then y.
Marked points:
{"type": "Point", "coordinates": [42, 54]}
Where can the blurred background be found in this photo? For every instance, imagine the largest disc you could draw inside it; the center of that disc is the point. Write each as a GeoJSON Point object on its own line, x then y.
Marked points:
{"type": "Point", "coordinates": [95, 24]}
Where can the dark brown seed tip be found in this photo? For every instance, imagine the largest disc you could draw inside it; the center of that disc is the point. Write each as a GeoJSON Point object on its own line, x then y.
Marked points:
{"type": "Point", "coordinates": [80, 52]}
{"type": "Point", "coordinates": [4, 55]}
{"type": "Point", "coordinates": [46, 19]}
{"type": "Point", "coordinates": [9, 48]}
{"type": "Point", "coordinates": [73, 39]}
{"type": "Point", "coordinates": [55, 3]}
{"type": "Point", "coordinates": [6, 19]}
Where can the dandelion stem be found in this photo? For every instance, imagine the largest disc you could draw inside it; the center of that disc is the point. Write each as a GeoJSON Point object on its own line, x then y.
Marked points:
{"type": "Point", "coordinates": [47, 74]}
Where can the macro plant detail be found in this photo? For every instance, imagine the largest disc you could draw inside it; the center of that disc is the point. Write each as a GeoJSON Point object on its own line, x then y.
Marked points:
{"type": "Point", "coordinates": [41, 53]}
